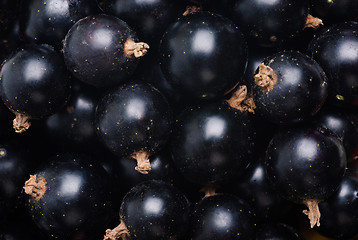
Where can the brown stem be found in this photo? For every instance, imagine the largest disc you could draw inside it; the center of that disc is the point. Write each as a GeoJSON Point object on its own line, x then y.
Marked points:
{"type": "Point", "coordinates": [266, 78]}
{"type": "Point", "coordinates": [135, 49]}
{"type": "Point", "coordinates": [120, 231]}
{"type": "Point", "coordinates": [21, 122]}
{"type": "Point", "coordinates": [209, 190]}
{"type": "Point", "coordinates": [36, 187]}
{"type": "Point", "coordinates": [312, 212]}
{"type": "Point", "coordinates": [313, 22]}
{"type": "Point", "coordinates": [143, 164]}
{"type": "Point", "coordinates": [242, 100]}
{"type": "Point", "coordinates": [192, 9]}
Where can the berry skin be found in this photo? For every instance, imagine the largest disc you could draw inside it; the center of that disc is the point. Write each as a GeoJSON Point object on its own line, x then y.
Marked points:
{"type": "Point", "coordinates": [34, 83]}
{"type": "Point", "coordinates": [336, 50]}
{"type": "Point", "coordinates": [203, 55]}
{"type": "Point", "coordinates": [289, 87]}
{"type": "Point", "coordinates": [306, 165]}
{"type": "Point", "coordinates": [155, 210]}
{"type": "Point", "coordinates": [102, 50]}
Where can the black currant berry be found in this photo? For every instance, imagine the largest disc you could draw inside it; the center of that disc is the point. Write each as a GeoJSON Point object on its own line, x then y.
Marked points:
{"type": "Point", "coordinates": [212, 143]}
{"type": "Point", "coordinates": [269, 23]}
{"type": "Point", "coordinates": [336, 50]}
{"type": "Point", "coordinates": [34, 83]}
{"type": "Point", "coordinates": [222, 216]}
{"type": "Point", "coordinates": [306, 165]}
{"type": "Point", "coordinates": [289, 87]}
{"type": "Point", "coordinates": [102, 50]}
{"type": "Point", "coordinates": [153, 210]}
{"type": "Point", "coordinates": [339, 213]}
{"type": "Point", "coordinates": [48, 21]}
{"type": "Point", "coordinates": [69, 198]}
{"type": "Point", "coordinates": [203, 55]}
{"type": "Point", "coordinates": [134, 121]}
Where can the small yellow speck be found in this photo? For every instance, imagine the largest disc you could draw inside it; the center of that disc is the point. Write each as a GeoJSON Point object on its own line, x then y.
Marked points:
{"type": "Point", "coordinates": [340, 97]}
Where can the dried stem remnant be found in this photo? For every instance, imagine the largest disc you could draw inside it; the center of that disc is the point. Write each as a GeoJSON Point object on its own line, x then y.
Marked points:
{"type": "Point", "coordinates": [21, 122]}
{"type": "Point", "coordinates": [120, 231]}
{"type": "Point", "coordinates": [266, 79]}
{"type": "Point", "coordinates": [191, 9]}
{"type": "Point", "coordinates": [312, 212]}
{"type": "Point", "coordinates": [242, 100]}
{"type": "Point", "coordinates": [36, 187]}
{"type": "Point", "coordinates": [209, 190]}
{"type": "Point", "coordinates": [143, 164]}
{"type": "Point", "coordinates": [135, 49]}
{"type": "Point", "coordinates": [313, 22]}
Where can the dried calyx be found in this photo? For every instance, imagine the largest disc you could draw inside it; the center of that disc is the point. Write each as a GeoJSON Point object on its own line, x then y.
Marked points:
{"type": "Point", "coordinates": [266, 78]}
{"type": "Point", "coordinates": [118, 232]}
{"type": "Point", "coordinates": [143, 164]}
{"type": "Point", "coordinates": [209, 190]}
{"type": "Point", "coordinates": [192, 9]}
{"type": "Point", "coordinates": [313, 22]}
{"type": "Point", "coordinates": [36, 187]}
{"type": "Point", "coordinates": [134, 49]}
{"type": "Point", "coordinates": [21, 122]}
{"type": "Point", "coordinates": [242, 100]}
{"type": "Point", "coordinates": [313, 212]}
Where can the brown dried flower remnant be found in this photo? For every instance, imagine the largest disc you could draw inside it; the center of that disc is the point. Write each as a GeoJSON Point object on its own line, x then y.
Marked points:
{"type": "Point", "coordinates": [242, 100]}
{"type": "Point", "coordinates": [313, 212]}
{"type": "Point", "coordinates": [21, 122]}
{"type": "Point", "coordinates": [313, 22]}
{"type": "Point", "coordinates": [266, 78]}
{"type": "Point", "coordinates": [143, 164]}
{"type": "Point", "coordinates": [191, 9]}
{"type": "Point", "coordinates": [135, 49]}
{"type": "Point", "coordinates": [120, 231]}
{"type": "Point", "coordinates": [36, 187]}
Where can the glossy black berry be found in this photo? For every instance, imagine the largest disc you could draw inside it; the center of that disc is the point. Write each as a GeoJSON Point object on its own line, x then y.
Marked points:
{"type": "Point", "coordinates": [203, 141]}
{"type": "Point", "coordinates": [48, 21]}
{"type": "Point", "coordinates": [203, 55]}
{"type": "Point", "coordinates": [306, 165]}
{"type": "Point", "coordinates": [134, 121]}
{"type": "Point", "coordinates": [276, 231]}
{"type": "Point", "coordinates": [336, 50]}
{"type": "Point", "coordinates": [102, 50]}
{"type": "Point", "coordinates": [222, 216]}
{"type": "Point", "coordinates": [289, 87]}
{"type": "Point", "coordinates": [155, 210]}
{"type": "Point", "coordinates": [268, 23]}
{"type": "Point", "coordinates": [69, 198]}
{"type": "Point", "coordinates": [34, 83]}
{"type": "Point", "coordinates": [339, 213]}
